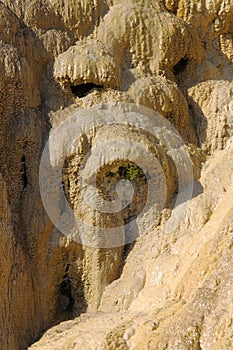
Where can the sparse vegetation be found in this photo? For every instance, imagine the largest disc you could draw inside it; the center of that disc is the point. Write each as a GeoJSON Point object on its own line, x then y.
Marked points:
{"type": "Point", "coordinates": [131, 171]}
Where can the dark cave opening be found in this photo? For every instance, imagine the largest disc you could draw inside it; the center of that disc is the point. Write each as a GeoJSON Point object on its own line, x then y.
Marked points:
{"type": "Point", "coordinates": [83, 90]}
{"type": "Point", "coordinates": [180, 66]}
{"type": "Point", "coordinates": [66, 291]}
{"type": "Point", "coordinates": [24, 172]}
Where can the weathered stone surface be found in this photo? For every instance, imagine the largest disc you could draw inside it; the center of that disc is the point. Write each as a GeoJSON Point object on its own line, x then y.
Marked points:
{"type": "Point", "coordinates": [167, 290]}
{"type": "Point", "coordinates": [176, 289]}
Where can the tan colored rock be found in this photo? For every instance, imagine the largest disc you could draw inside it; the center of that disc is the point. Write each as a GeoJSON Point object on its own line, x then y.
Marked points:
{"type": "Point", "coordinates": [85, 63]}
{"type": "Point", "coordinates": [167, 290]}
{"type": "Point", "coordinates": [213, 108]}
{"type": "Point", "coordinates": [176, 288]}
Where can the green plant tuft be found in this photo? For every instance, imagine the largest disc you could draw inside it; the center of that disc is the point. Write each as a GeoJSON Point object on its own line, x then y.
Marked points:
{"type": "Point", "coordinates": [131, 171]}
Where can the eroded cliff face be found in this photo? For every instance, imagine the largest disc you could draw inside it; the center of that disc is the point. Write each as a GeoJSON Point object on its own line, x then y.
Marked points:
{"type": "Point", "coordinates": [167, 291]}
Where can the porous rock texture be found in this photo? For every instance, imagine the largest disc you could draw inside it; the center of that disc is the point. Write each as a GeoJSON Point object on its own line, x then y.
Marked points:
{"type": "Point", "coordinates": [166, 291]}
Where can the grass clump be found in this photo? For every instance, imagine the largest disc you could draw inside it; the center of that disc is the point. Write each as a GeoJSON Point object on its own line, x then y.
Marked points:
{"type": "Point", "coordinates": [131, 172]}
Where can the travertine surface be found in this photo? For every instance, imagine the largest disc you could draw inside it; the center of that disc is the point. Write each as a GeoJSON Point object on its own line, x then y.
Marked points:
{"type": "Point", "coordinates": [175, 291]}
{"type": "Point", "coordinates": [168, 291]}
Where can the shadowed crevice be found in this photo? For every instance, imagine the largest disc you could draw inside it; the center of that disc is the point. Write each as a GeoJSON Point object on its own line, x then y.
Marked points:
{"type": "Point", "coordinates": [83, 90]}
{"type": "Point", "coordinates": [180, 66]}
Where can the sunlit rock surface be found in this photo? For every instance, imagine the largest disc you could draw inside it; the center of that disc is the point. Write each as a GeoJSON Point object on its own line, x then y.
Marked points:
{"type": "Point", "coordinates": [167, 291]}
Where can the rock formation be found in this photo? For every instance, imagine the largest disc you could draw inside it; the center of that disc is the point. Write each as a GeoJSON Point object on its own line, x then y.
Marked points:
{"type": "Point", "coordinates": [165, 290]}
